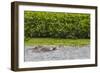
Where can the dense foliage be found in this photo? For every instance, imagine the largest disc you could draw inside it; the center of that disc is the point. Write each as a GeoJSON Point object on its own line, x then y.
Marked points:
{"type": "Point", "coordinates": [56, 25]}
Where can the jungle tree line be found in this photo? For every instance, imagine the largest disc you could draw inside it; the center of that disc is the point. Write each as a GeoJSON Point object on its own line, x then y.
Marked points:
{"type": "Point", "coordinates": [56, 25]}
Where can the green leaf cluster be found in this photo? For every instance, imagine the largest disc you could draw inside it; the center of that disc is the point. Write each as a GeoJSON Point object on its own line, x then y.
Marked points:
{"type": "Point", "coordinates": [56, 25]}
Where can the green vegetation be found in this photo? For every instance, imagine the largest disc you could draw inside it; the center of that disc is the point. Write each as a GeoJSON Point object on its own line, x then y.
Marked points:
{"type": "Point", "coordinates": [57, 41]}
{"type": "Point", "coordinates": [56, 28]}
{"type": "Point", "coordinates": [56, 25]}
